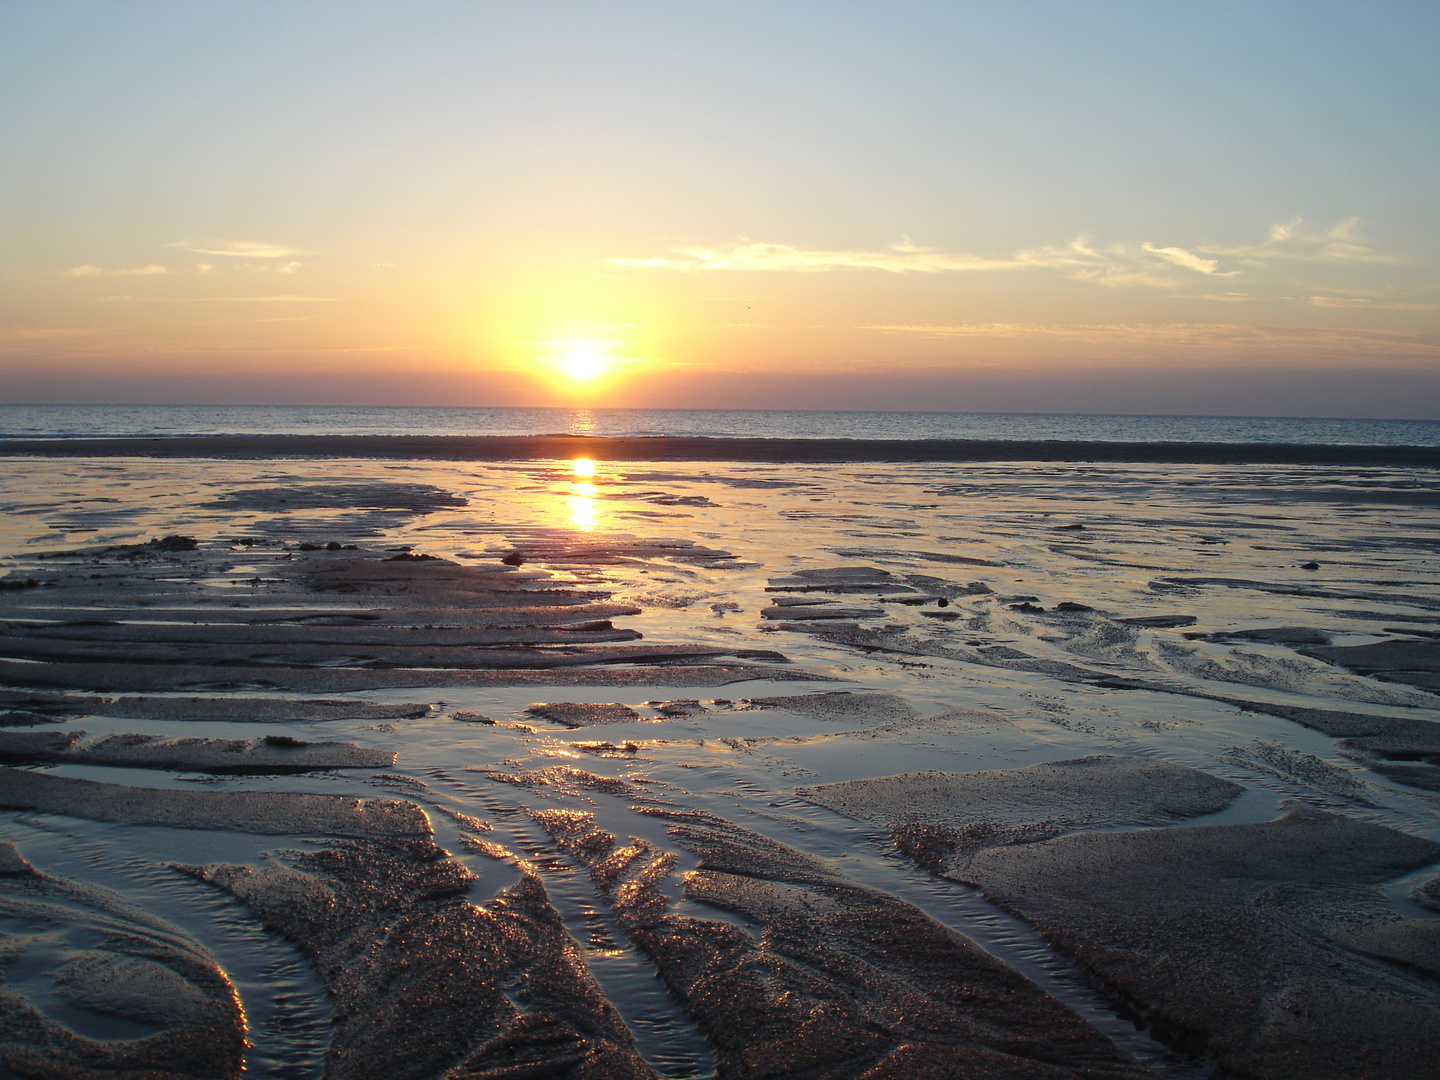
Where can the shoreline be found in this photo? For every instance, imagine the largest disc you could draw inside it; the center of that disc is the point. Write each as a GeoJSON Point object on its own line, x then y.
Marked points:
{"type": "Point", "coordinates": [761, 450]}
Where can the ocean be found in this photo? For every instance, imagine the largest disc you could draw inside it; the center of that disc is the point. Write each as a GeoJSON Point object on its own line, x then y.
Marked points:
{"type": "Point", "coordinates": [80, 421]}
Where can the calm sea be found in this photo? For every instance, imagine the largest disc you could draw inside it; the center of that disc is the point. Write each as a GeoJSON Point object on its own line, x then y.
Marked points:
{"type": "Point", "coordinates": [77, 421]}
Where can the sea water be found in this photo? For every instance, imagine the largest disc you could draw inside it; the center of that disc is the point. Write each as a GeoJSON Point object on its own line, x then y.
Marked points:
{"type": "Point", "coordinates": [98, 421]}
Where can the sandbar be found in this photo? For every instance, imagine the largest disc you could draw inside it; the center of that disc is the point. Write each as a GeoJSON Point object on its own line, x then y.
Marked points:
{"type": "Point", "coordinates": [670, 448]}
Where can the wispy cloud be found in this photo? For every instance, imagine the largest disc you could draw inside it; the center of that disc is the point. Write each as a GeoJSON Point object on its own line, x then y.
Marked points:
{"type": "Point", "coordinates": [1115, 264]}
{"type": "Point", "coordinates": [237, 249]}
{"type": "Point", "coordinates": [903, 258]}
{"type": "Point", "coordinates": [287, 299]}
{"type": "Point", "coordinates": [1290, 342]}
{"type": "Point", "coordinates": [1366, 303]}
{"type": "Point", "coordinates": [46, 333]}
{"type": "Point", "coordinates": [130, 271]}
{"type": "Point", "coordinates": [1112, 265]}
{"type": "Point", "coordinates": [1178, 256]}
{"type": "Point", "coordinates": [1342, 242]}
{"type": "Point", "coordinates": [1163, 266]}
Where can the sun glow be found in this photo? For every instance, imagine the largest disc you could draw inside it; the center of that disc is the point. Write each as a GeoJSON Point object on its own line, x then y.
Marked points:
{"type": "Point", "coordinates": [584, 371]}
{"type": "Point", "coordinates": [584, 365]}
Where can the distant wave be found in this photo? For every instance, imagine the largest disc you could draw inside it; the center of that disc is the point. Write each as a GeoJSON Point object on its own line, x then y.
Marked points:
{"type": "Point", "coordinates": [159, 421]}
{"type": "Point", "coordinates": [691, 448]}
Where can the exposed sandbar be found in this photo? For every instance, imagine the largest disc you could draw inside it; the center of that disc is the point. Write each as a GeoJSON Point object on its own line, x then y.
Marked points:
{"type": "Point", "coordinates": [1104, 790]}
{"type": "Point", "coordinates": [508, 644]}
{"type": "Point", "coordinates": [1268, 946]}
{"type": "Point", "coordinates": [268, 813]}
{"type": "Point", "coordinates": [250, 710]}
{"type": "Point", "coordinates": [132, 966]}
{"type": "Point", "coordinates": [574, 714]}
{"type": "Point", "coordinates": [665, 448]}
{"type": "Point", "coordinates": [143, 678]}
{"type": "Point", "coordinates": [845, 705]}
{"type": "Point", "coordinates": [428, 984]}
{"type": "Point", "coordinates": [1413, 662]}
{"type": "Point", "coordinates": [829, 978]}
{"type": "Point", "coordinates": [272, 754]}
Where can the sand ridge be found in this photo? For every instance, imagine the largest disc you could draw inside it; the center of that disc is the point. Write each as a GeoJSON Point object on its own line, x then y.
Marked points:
{"type": "Point", "coordinates": [489, 890]}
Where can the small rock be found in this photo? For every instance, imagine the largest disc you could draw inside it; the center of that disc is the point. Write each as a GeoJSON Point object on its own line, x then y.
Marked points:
{"type": "Point", "coordinates": [466, 716]}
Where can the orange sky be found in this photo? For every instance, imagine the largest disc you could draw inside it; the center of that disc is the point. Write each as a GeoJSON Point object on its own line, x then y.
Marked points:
{"type": "Point", "coordinates": [1126, 209]}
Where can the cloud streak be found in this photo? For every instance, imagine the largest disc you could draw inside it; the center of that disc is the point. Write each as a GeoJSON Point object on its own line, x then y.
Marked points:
{"type": "Point", "coordinates": [1342, 242]}
{"type": "Point", "coordinates": [132, 271]}
{"type": "Point", "coordinates": [1364, 303]}
{"type": "Point", "coordinates": [1292, 342]}
{"type": "Point", "coordinates": [1116, 264]}
{"type": "Point", "coordinates": [237, 249]}
{"type": "Point", "coordinates": [1145, 264]}
{"type": "Point", "coordinates": [1178, 256]}
{"type": "Point", "coordinates": [287, 299]}
{"type": "Point", "coordinates": [901, 258]}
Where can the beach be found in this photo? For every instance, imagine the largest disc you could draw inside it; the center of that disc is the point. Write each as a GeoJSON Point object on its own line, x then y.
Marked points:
{"type": "Point", "coordinates": [443, 756]}
{"type": "Point", "coordinates": [719, 542]}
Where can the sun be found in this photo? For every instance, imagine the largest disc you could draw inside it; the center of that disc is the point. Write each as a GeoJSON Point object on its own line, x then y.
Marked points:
{"type": "Point", "coordinates": [584, 365]}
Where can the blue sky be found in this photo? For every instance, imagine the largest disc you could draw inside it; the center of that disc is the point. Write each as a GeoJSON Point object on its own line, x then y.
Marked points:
{"type": "Point", "coordinates": [725, 204]}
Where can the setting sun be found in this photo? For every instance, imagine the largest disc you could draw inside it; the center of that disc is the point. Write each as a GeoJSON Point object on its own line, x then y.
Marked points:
{"type": "Point", "coordinates": [584, 365]}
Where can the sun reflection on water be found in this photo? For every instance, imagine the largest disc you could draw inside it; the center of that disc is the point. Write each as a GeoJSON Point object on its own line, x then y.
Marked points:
{"type": "Point", "coordinates": [584, 504]}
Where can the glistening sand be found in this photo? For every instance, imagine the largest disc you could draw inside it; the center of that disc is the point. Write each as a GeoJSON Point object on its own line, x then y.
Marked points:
{"type": "Point", "coordinates": [1346, 554]}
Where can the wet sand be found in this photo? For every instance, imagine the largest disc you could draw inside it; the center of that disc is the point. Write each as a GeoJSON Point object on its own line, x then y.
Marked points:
{"type": "Point", "coordinates": [661, 768]}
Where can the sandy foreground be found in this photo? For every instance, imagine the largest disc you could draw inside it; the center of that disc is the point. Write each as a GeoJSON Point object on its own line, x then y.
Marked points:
{"type": "Point", "coordinates": [397, 767]}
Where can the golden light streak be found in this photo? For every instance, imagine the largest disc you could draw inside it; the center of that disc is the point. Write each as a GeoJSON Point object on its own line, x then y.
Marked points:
{"type": "Point", "coordinates": [583, 508]}
{"type": "Point", "coordinates": [584, 504]}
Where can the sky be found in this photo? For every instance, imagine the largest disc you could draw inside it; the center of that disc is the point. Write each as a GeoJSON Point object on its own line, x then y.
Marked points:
{"type": "Point", "coordinates": [1205, 208]}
